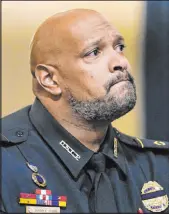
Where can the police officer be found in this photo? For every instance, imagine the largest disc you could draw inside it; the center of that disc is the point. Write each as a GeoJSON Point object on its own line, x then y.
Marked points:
{"type": "Point", "coordinates": [61, 154]}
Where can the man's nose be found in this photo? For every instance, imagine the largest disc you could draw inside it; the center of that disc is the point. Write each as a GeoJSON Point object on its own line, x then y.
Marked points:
{"type": "Point", "coordinates": [117, 63]}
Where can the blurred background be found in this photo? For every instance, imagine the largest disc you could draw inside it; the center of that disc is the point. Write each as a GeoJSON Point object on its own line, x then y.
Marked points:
{"type": "Point", "coordinates": [145, 28]}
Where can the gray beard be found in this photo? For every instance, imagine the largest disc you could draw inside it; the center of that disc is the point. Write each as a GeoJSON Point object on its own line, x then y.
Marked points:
{"type": "Point", "coordinates": [108, 108]}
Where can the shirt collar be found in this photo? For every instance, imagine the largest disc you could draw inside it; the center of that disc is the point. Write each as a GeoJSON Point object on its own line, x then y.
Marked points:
{"type": "Point", "coordinates": [73, 154]}
{"type": "Point", "coordinates": [112, 148]}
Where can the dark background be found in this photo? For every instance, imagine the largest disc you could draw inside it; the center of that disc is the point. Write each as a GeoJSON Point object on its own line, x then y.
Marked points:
{"type": "Point", "coordinates": [156, 70]}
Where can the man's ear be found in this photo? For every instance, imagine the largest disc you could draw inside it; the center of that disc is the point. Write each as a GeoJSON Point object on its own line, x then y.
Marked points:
{"type": "Point", "coordinates": [46, 77]}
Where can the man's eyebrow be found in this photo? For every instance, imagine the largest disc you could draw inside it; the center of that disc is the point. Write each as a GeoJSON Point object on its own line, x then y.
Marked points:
{"type": "Point", "coordinates": [118, 38]}
{"type": "Point", "coordinates": [92, 43]}
{"type": "Point", "coordinates": [95, 42]}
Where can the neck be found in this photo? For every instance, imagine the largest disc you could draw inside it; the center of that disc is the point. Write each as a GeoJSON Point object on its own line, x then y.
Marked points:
{"type": "Point", "coordinates": [89, 133]}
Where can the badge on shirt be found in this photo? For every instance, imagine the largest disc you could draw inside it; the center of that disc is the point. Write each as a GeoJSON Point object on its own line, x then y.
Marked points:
{"type": "Point", "coordinates": [154, 197]}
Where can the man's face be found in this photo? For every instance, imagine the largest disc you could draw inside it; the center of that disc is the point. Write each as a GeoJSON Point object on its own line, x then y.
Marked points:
{"type": "Point", "coordinates": [94, 73]}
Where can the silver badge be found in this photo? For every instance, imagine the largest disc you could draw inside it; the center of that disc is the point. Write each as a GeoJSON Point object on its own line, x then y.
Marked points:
{"type": "Point", "coordinates": [32, 167]}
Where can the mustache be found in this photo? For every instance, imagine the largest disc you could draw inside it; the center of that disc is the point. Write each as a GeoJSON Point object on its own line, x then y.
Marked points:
{"type": "Point", "coordinates": [121, 76]}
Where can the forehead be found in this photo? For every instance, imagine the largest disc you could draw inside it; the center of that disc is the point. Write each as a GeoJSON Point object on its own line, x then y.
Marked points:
{"type": "Point", "coordinates": [90, 26]}
{"type": "Point", "coordinates": [87, 29]}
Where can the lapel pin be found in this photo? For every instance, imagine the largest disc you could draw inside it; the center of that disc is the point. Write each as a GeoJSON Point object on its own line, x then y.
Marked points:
{"type": "Point", "coordinates": [32, 167]}
{"type": "Point", "coordinates": [115, 147]}
{"type": "Point", "coordinates": [39, 179]}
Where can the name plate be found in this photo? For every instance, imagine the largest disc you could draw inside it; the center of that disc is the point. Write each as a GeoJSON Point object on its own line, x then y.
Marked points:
{"type": "Point", "coordinates": [41, 209]}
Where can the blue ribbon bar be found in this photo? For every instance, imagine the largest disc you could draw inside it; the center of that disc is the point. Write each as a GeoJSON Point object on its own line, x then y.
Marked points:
{"type": "Point", "coordinates": [47, 202]}
{"type": "Point", "coordinates": [153, 195]}
{"type": "Point", "coordinates": [49, 197]}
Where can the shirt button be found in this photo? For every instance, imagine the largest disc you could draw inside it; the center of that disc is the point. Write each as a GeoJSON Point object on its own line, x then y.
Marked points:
{"type": "Point", "coordinates": [19, 133]}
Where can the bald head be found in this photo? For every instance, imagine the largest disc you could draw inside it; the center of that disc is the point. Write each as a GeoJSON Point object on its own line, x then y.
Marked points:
{"type": "Point", "coordinates": [78, 61]}
{"type": "Point", "coordinates": [52, 35]}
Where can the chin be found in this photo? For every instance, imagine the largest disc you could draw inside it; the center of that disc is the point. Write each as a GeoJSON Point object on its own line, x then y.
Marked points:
{"type": "Point", "coordinates": [123, 89]}
{"type": "Point", "coordinates": [122, 99]}
{"type": "Point", "coordinates": [118, 101]}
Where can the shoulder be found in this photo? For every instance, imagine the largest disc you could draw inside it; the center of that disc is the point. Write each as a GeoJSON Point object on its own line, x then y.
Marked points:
{"type": "Point", "coordinates": [14, 127]}
{"type": "Point", "coordinates": [142, 143]}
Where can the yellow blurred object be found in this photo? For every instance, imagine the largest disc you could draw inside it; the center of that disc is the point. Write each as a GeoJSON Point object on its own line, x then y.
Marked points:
{"type": "Point", "coordinates": [62, 203]}
{"type": "Point", "coordinates": [27, 201]}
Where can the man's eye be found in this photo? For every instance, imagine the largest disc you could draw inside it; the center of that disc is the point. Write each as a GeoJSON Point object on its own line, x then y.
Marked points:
{"type": "Point", "coordinates": [120, 48]}
{"type": "Point", "coordinates": [94, 52]}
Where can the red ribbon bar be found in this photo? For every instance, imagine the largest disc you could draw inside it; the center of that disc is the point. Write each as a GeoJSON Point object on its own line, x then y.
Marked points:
{"type": "Point", "coordinates": [62, 198]}
{"type": "Point", "coordinates": [43, 192]}
{"type": "Point", "coordinates": [27, 195]}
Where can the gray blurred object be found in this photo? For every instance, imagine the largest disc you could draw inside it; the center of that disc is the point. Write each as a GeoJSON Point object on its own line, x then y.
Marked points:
{"type": "Point", "coordinates": [156, 70]}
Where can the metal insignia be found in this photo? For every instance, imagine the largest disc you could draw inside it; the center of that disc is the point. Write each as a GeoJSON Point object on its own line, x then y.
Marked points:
{"type": "Point", "coordinates": [40, 209]}
{"type": "Point", "coordinates": [159, 143]}
{"type": "Point", "coordinates": [154, 197]}
{"type": "Point", "coordinates": [70, 150]}
{"type": "Point", "coordinates": [115, 147]}
{"type": "Point", "coordinates": [32, 167]}
{"type": "Point", "coordinates": [39, 179]}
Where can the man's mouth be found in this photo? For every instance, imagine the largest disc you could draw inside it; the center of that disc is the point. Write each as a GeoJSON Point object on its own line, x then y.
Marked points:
{"type": "Point", "coordinates": [118, 81]}
{"type": "Point", "coordinates": [119, 78]}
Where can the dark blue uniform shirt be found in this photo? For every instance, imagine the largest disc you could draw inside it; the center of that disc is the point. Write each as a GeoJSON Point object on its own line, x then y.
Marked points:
{"type": "Point", "coordinates": [32, 135]}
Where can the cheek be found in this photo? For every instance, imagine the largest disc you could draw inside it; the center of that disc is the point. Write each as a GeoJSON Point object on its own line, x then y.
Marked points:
{"type": "Point", "coordinates": [94, 80]}
{"type": "Point", "coordinates": [86, 80]}
{"type": "Point", "coordinates": [128, 65]}
{"type": "Point", "coordinates": [98, 70]}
